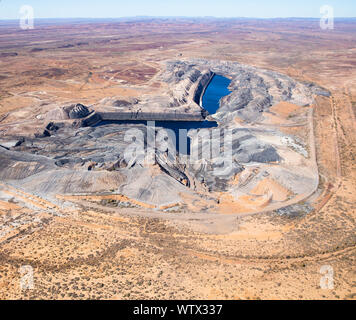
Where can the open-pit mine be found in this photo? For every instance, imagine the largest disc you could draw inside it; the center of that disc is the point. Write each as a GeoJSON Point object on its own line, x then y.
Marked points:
{"type": "Point", "coordinates": [204, 159]}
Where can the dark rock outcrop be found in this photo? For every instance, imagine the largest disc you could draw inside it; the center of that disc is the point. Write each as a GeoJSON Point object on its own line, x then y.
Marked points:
{"type": "Point", "coordinates": [61, 161]}
{"type": "Point", "coordinates": [91, 120]}
{"type": "Point", "coordinates": [43, 134]}
{"type": "Point", "coordinates": [154, 116]}
{"type": "Point", "coordinates": [267, 155]}
{"type": "Point", "coordinates": [203, 84]}
{"type": "Point", "coordinates": [77, 111]}
{"type": "Point", "coordinates": [124, 103]}
{"type": "Point", "coordinates": [8, 54]}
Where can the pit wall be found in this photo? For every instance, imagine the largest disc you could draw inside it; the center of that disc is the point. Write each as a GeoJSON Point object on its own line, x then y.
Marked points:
{"type": "Point", "coordinates": [202, 86]}
{"type": "Point", "coordinates": [147, 116]}
{"type": "Point", "coordinates": [198, 94]}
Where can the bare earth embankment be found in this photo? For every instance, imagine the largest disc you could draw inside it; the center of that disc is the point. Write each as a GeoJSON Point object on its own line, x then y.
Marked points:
{"type": "Point", "coordinates": [93, 226]}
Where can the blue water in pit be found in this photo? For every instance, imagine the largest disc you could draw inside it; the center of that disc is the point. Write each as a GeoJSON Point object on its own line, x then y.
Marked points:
{"type": "Point", "coordinates": [217, 89]}
{"type": "Point", "coordinates": [180, 129]}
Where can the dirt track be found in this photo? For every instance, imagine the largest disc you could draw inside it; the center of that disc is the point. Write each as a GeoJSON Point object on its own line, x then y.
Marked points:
{"type": "Point", "coordinates": [81, 249]}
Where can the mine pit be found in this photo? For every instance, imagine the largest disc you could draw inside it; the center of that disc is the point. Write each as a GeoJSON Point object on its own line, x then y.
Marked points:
{"type": "Point", "coordinates": [98, 211]}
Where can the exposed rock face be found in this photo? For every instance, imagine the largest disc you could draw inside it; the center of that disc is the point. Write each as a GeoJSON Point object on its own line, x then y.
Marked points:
{"type": "Point", "coordinates": [73, 155]}
{"type": "Point", "coordinates": [124, 103]}
{"type": "Point", "coordinates": [74, 111]}
{"type": "Point", "coordinates": [253, 92]}
{"type": "Point", "coordinates": [77, 111]}
{"type": "Point", "coordinates": [149, 116]}
{"type": "Point", "coordinates": [11, 144]}
{"type": "Point", "coordinates": [91, 120]}
{"type": "Point", "coordinates": [43, 134]}
{"type": "Point", "coordinates": [20, 165]}
{"type": "Point", "coordinates": [188, 80]}
{"type": "Point", "coordinates": [185, 84]}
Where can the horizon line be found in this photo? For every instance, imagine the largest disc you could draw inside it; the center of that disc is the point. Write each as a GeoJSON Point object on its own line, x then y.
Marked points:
{"type": "Point", "coordinates": [171, 17]}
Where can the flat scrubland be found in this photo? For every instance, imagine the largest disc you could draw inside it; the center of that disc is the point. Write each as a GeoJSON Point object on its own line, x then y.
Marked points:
{"type": "Point", "coordinates": [102, 247]}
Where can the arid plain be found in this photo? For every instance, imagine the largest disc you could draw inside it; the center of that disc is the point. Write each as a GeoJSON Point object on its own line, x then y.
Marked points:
{"type": "Point", "coordinates": [107, 245]}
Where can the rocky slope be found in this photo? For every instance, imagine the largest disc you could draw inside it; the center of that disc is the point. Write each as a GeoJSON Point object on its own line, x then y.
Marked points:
{"type": "Point", "coordinates": [67, 159]}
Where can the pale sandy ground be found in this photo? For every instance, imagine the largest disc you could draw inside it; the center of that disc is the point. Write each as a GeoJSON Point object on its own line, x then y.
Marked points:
{"type": "Point", "coordinates": [81, 249]}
